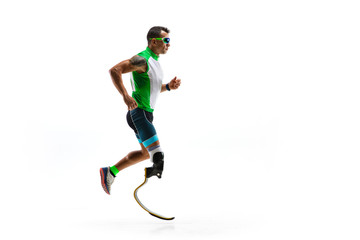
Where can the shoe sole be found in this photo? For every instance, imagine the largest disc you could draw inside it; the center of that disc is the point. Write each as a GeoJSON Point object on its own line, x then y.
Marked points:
{"type": "Point", "coordinates": [103, 181]}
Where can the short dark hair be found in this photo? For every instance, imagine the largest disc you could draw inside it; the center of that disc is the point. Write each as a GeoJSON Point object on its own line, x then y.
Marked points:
{"type": "Point", "coordinates": [155, 32]}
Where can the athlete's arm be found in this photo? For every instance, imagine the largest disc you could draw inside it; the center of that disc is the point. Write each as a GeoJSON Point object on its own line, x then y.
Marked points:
{"type": "Point", "coordinates": [137, 64]}
{"type": "Point", "coordinates": [173, 84]}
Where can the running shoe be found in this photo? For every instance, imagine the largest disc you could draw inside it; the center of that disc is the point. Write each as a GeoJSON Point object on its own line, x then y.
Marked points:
{"type": "Point", "coordinates": [106, 179]}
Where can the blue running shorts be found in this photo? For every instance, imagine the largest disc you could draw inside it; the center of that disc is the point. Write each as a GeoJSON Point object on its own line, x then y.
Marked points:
{"type": "Point", "coordinates": [141, 122]}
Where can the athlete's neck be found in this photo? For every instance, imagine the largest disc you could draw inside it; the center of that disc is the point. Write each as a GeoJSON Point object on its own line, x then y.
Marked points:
{"type": "Point", "coordinates": [157, 53]}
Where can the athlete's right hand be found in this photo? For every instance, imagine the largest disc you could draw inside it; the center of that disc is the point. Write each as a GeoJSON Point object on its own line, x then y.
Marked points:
{"type": "Point", "coordinates": [130, 102]}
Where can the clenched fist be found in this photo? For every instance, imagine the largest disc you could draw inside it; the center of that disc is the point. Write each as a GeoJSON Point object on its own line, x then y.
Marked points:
{"type": "Point", "coordinates": [175, 83]}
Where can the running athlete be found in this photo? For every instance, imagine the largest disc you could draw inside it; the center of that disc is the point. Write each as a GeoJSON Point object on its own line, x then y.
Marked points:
{"type": "Point", "coordinates": [146, 81]}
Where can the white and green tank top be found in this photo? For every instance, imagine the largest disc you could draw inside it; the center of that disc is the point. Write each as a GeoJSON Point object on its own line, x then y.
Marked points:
{"type": "Point", "coordinates": [147, 86]}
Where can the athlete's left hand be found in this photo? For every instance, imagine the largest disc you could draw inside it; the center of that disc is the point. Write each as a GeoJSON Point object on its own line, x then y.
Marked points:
{"type": "Point", "coordinates": [175, 83]}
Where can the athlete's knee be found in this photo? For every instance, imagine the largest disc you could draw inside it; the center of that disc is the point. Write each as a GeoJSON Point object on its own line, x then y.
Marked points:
{"type": "Point", "coordinates": [145, 154]}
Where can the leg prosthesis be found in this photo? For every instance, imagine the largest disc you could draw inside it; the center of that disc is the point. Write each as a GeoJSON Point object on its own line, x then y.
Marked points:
{"type": "Point", "coordinates": [158, 166]}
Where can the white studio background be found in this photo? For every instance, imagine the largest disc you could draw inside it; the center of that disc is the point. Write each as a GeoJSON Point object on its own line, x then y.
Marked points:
{"type": "Point", "coordinates": [261, 140]}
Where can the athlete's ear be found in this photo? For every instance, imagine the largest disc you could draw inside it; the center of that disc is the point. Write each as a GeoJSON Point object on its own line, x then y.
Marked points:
{"type": "Point", "coordinates": [152, 42]}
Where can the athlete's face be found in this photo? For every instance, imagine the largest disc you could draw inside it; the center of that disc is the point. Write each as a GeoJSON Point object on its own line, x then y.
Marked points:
{"type": "Point", "coordinates": [159, 45]}
{"type": "Point", "coordinates": [164, 46]}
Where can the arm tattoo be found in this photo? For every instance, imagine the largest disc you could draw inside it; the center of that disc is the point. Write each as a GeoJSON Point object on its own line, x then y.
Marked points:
{"type": "Point", "coordinates": [138, 61]}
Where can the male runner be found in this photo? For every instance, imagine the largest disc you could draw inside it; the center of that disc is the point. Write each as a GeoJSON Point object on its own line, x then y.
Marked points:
{"type": "Point", "coordinates": [146, 81]}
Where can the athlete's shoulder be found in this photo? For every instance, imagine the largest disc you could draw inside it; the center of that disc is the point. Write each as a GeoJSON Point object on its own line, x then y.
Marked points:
{"type": "Point", "coordinates": [138, 60]}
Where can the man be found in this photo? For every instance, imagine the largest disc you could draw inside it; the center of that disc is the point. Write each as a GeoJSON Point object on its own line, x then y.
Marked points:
{"type": "Point", "coordinates": [146, 81]}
